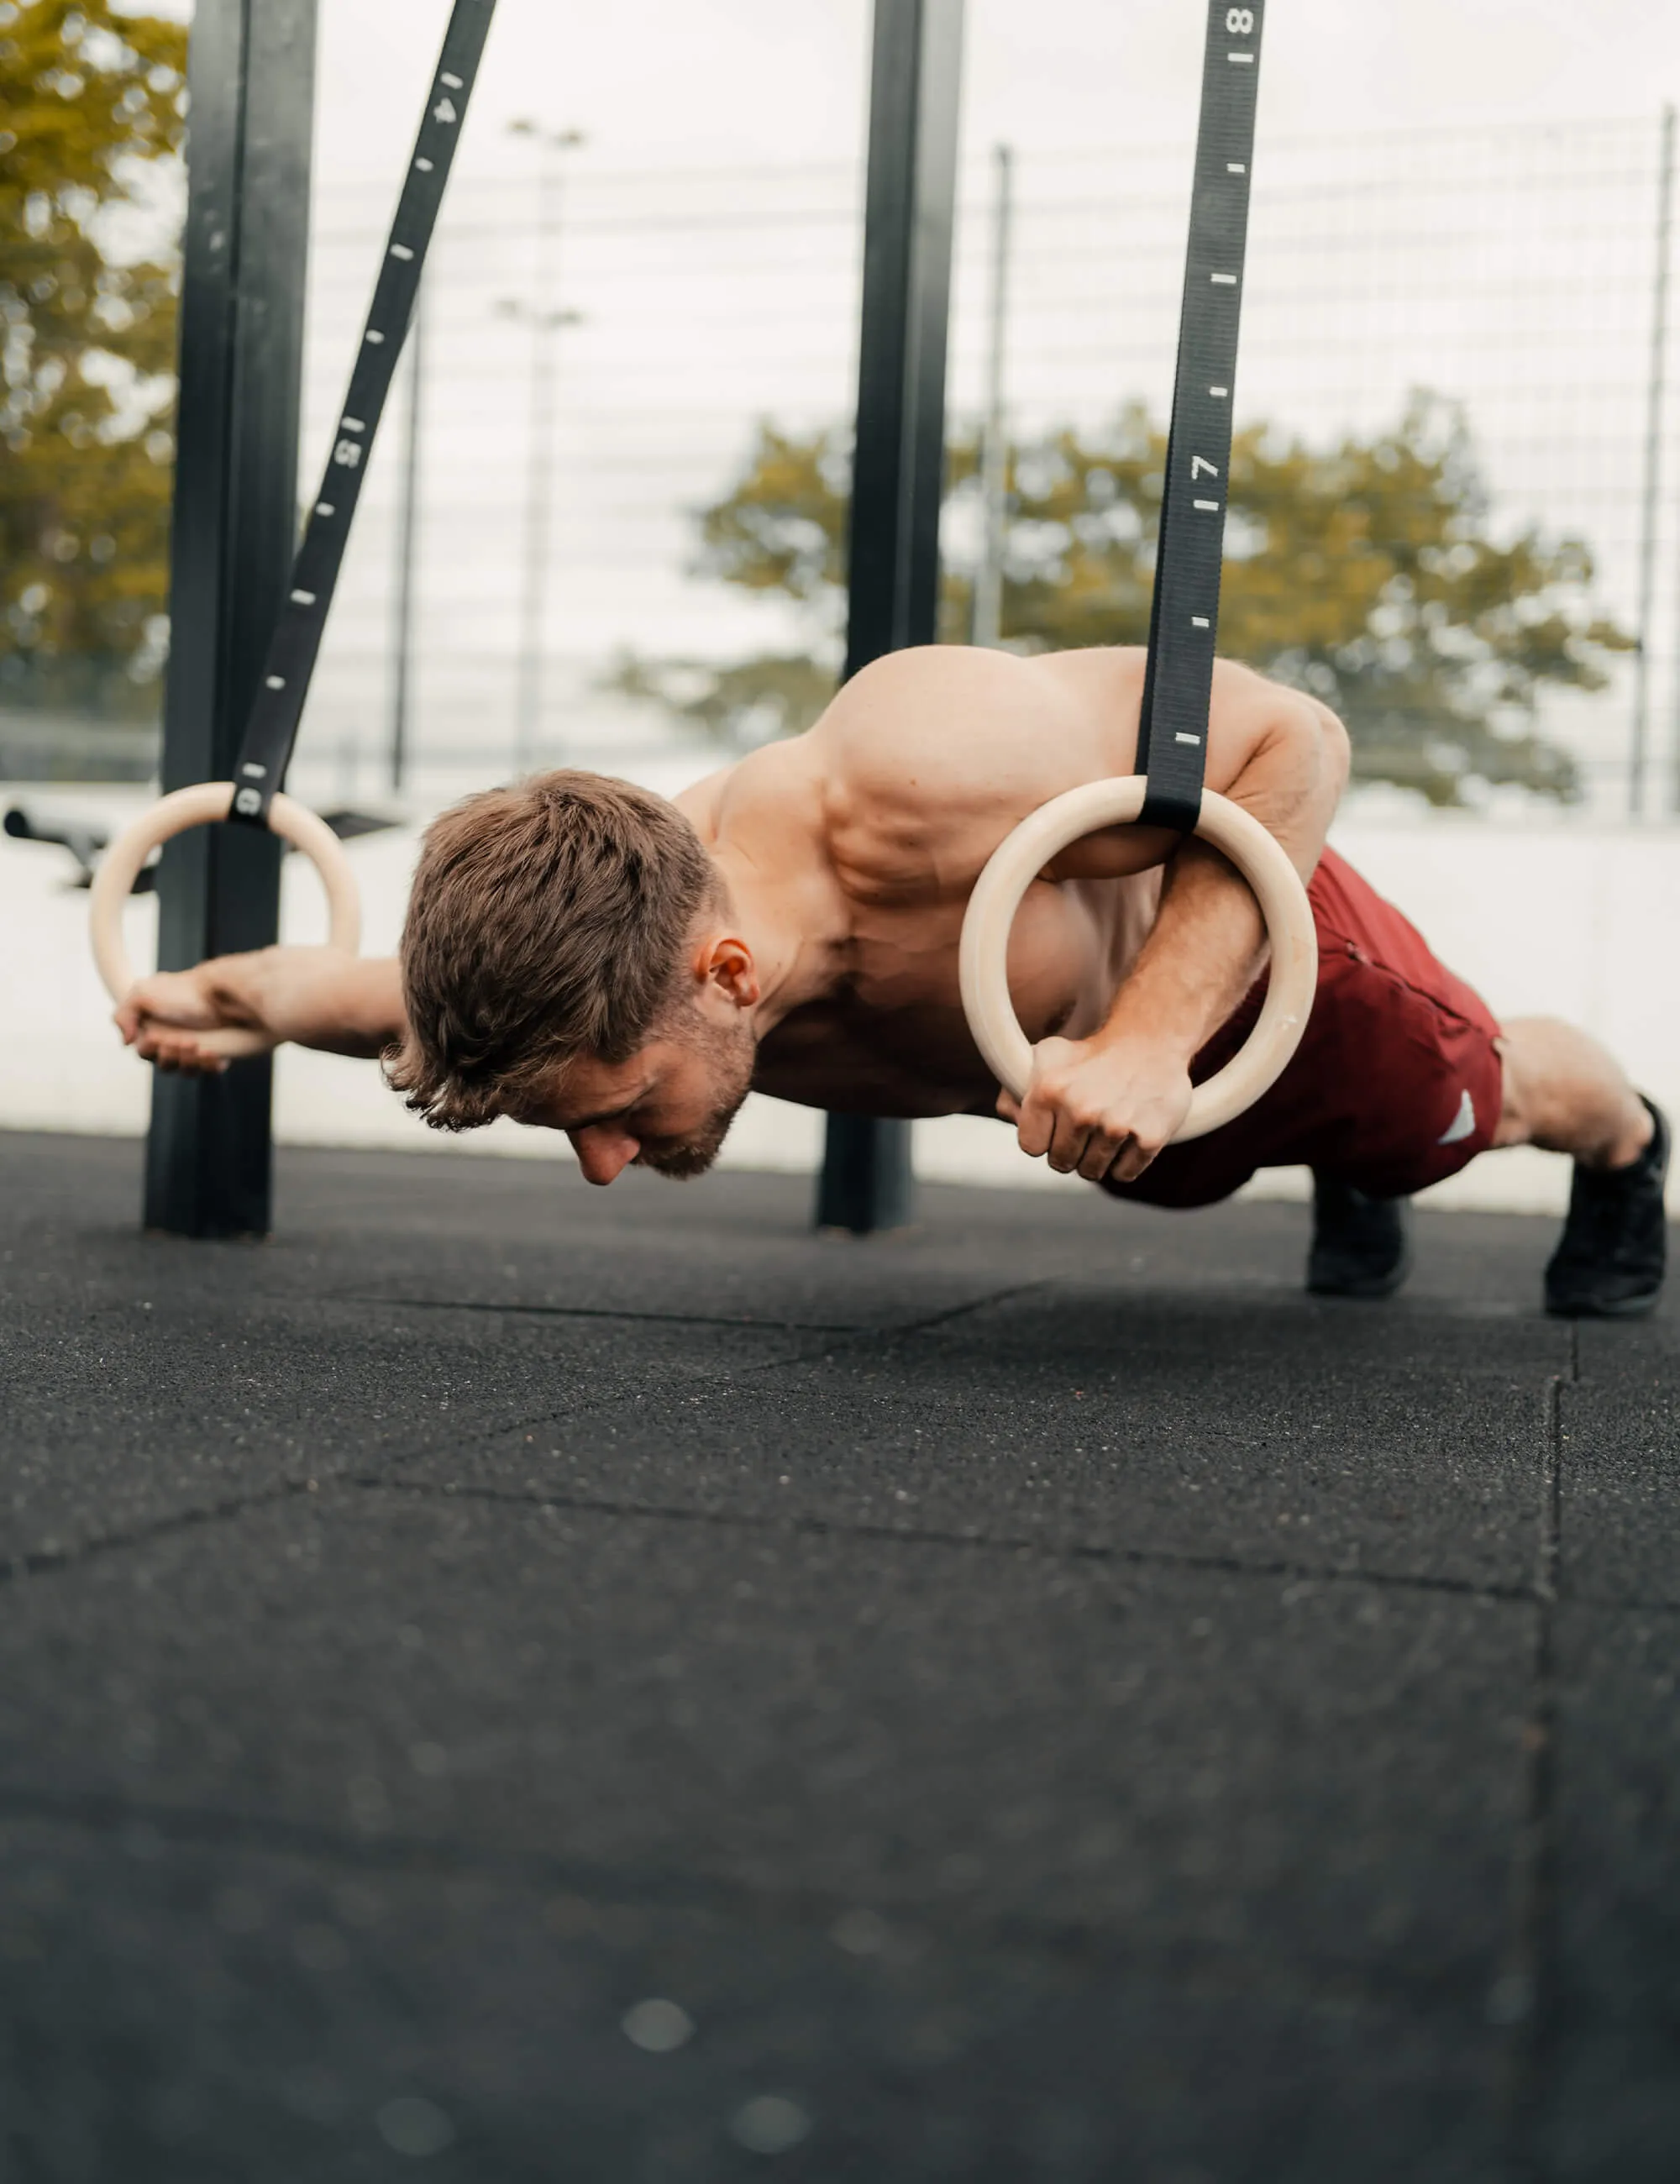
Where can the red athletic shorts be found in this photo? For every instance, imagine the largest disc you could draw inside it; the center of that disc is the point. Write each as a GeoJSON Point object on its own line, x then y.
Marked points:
{"type": "Point", "coordinates": [1395, 1082]}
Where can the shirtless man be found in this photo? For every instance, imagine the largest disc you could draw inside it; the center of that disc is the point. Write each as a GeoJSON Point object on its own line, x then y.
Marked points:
{"type": "Point", "coordinates": [587, 957]}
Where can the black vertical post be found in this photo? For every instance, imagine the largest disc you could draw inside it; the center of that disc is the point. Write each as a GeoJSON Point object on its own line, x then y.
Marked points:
{"type": "Point", "coordinates": [251, 85]}
{"type": "Point", "coordinates": [898, 466]}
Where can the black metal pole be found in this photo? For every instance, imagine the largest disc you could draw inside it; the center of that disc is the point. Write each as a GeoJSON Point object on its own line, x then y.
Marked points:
{"type": "Point", "coordinates": [251, 84]}
{"type": "Point", "coordinates": [898, 466]}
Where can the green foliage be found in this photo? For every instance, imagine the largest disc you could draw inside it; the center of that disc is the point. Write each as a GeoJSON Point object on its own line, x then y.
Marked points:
{"type": "Point", "coordinates": [1364, 572]}
{"type": "Point", "coordinates": [91, 103]}
{"type": "Point", "coordinates": [781, 527]}
{"type": "Point", "coordinates": [750, 701]}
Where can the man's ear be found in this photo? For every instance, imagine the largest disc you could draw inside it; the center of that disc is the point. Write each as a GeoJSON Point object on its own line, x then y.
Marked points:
{"type": "Point", "coordinates": [725, 963]}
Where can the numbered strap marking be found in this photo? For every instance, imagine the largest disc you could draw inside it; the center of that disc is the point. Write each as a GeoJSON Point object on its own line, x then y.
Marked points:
{"type": "Point", "coordinates": [1184, 616]}
{"type": "Point", "coordinates": [271, 728]}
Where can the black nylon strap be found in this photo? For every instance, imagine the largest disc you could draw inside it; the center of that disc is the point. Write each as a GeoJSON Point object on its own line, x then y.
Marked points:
{"type": "Point", "coordinates": [1184, 613]}
{"type": "Point", "coordinates": [271, 728]}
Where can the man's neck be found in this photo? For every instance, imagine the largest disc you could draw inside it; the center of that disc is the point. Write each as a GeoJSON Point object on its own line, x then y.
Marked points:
{"type": "Point", "coordinates": [761, 820]}
{"type": "Point", "coordinates": [786, 918]}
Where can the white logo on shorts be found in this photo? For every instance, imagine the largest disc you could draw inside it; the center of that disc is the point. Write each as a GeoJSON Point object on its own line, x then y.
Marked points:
{"type": "Point", "coordinates": [1461, 1126]}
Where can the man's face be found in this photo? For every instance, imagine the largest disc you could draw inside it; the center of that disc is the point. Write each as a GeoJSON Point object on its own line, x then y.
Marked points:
{"type": "Point", "coordinates": [668, 1108]}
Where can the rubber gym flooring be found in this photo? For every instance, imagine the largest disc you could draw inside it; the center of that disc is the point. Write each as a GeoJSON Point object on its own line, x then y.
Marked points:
{"type": "Point", "coordinates": [506, 1681]}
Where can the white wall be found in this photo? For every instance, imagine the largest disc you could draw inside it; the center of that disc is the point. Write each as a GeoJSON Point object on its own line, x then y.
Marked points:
{"type": "Point", "coordinates": [1566, 919]}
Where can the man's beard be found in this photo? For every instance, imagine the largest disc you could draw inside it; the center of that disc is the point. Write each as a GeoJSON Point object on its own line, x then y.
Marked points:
{"type": "Point", "coordinates": [730, 1054]}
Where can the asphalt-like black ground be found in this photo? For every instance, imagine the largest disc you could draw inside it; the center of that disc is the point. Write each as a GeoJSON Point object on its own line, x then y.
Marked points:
{"type": "Point", "coordinates": [506, 1681]}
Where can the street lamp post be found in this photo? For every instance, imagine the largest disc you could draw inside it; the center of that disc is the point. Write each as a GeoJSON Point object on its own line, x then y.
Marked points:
{"type": "Point", "coordinates": [408, 535]}
{"type": "Point", "coordinates": [994, 454]}
{"type": "Point", "coordinates": [544, 320]}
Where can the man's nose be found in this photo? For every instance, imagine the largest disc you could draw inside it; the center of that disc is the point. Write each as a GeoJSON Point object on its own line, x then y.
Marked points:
{"type": "Point", "coordinates": [602, 1154]}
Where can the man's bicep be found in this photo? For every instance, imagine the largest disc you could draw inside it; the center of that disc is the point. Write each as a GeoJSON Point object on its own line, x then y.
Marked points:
{"type": "Point", "coordinates": [367, 1013]}
{"type": "Point", "coordinates": [321, 997]}
{"type": "Point", "coordinates": [1284, 759]}
{"type": "Point", "coordinates": [1243, 711]}
{"type": "Point", "coordinates": [1276, 751]}
{"type": "Point", "coordinates": [1246, 713]}
{"type": "Point", "coordinates": [374, 998]}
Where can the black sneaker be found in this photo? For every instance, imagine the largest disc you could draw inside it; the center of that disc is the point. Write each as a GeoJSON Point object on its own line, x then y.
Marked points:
{"type": "Point", "coordinates": [1609, 1261]}
{"type": "Point", "coordinates": [1361, 1246]}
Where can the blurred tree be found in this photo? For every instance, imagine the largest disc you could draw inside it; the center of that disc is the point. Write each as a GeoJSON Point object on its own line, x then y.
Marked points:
{"type": "Point", "coordinates": [1363, 573]}
{"type": "Point", "coordinates": [747, 702]}
{"type": "Point", "coordinates": [91, 106]}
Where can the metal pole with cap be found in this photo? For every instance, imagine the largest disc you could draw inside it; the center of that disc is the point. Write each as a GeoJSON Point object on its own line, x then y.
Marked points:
{"type": "Point", "coordinates": [251, 85]}
{"type": "Point", "coordinates": [897, 472]}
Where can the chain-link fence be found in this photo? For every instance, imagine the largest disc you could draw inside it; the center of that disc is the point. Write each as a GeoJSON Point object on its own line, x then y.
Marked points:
{"type": "Point", "coordinates": [594, 375]}
{"type": "Point", "coordinates": [600, 347]}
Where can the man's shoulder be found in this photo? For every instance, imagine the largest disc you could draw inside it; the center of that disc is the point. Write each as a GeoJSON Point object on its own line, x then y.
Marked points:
{"type": "Point", "coordinates": [916, 669]}
{"type": "Point", "coordinates": [930, 714]}
{"type": "Point", "coordinates": [766, 801]}
{"type": "Point", "coordinates": [929, 755]}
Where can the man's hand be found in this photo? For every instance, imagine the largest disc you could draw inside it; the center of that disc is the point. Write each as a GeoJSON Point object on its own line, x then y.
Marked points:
{"type": "Point", "coordinates": [317, 997]}
{"type": "Point", "coordinates": [1103, 1107]}
{"type": "Point", "coordinates": [161, 1018]}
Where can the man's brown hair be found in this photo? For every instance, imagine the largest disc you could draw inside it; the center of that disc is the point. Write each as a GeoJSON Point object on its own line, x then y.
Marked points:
{"type": "Point", "coordinates": [547, 920]}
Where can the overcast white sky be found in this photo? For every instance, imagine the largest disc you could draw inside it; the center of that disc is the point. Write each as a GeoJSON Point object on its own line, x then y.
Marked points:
{"type": "Point", "coordinates": [679, 85]}
{"type": "Point", "coordinates": [685, 81]}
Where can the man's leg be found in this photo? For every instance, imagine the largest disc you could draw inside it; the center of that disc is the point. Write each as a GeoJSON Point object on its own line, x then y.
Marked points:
{"type": "Point", "coordinates": [1562, 1092]}
{"type": "Point", "coordinates": [1361, 1245]}
{"type": "Point", "coordinates": [1565, 1093]}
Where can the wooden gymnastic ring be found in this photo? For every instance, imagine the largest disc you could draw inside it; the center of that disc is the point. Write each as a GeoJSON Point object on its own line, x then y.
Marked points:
{"type": "Point", "coordinates": [1021, 855]}
{"type": "Point", "coordinates": [200, 805]}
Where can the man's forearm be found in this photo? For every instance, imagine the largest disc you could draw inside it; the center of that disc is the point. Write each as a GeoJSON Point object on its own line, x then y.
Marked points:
{"type": "Point", "coordinates": [1208, 943]}
{"type": "Point", "coordinates": [1205, 949]}
{"type": "Point", "coordinates": [317, 997]}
